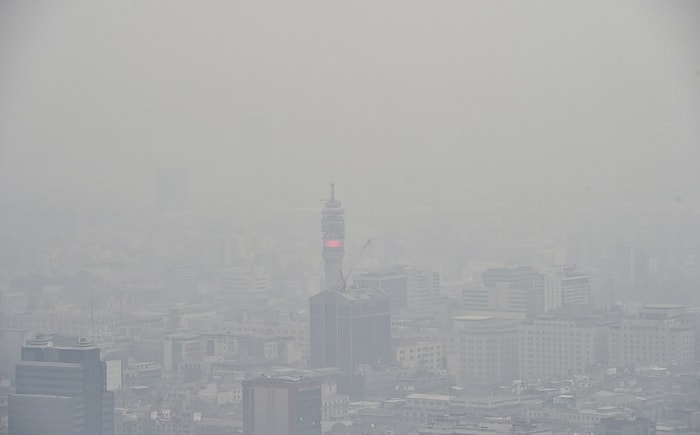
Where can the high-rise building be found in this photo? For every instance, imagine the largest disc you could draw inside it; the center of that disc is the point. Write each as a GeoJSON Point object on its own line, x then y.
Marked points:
{"type": "Point", "coordinates": [350, 325]}
{"type": "Point", "coordinates": [245, 282]}
{"type": "Point", "coordinates": [564, 287]}
{"type": "Point", "coordinates": [407, 286]}
{"type": "Point", "coordinates": [392, 280]}
{"type": "Point", "coordinates": [282, 405]}
{"type": "Point", "coordinates": [60, 388]}
{"type": "Point", "coordinates": [333, 229]}
{"type": "Point", "coordinates": [485, 351]}
{"type": "Point", "coordinates": [349, 329]}
{"type": "Point", "coordinates": [506, 292]}
{"type": "Point", "coordinates": [658, 335]}
{"type": "Point", "coordinates": [559, 345]}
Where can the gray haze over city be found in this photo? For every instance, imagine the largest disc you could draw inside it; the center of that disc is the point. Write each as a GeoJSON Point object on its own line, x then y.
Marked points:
{"type": "Point", "coordinates": [506, 170]}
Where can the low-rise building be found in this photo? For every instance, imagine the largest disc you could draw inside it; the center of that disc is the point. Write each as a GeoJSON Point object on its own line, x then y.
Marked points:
{"type": "Point", "coordinates": [428, 355]}
{"type": "Point", "coordinates": [423, 408]}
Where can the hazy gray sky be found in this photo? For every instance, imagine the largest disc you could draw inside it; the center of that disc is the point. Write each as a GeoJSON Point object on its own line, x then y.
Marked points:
{"type": "Point", "coordinates": [396, 99]}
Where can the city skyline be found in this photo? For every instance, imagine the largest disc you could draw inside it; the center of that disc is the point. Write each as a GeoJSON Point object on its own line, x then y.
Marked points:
{"type": "Point", "coordinates": [364, 218]}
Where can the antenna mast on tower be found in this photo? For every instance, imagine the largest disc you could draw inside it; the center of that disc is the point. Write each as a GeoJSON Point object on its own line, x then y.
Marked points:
{"type": "Point", "coordinates": [333, 236]}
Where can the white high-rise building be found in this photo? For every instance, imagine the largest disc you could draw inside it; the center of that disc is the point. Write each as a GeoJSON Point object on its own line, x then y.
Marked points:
{"type": "Point", "coordinates": [559, 345]}
{"type": "Point", "coordinates": [485, 351]}
{"type": "Point", "coordinates": [564, 287]}
{"type": "Point", "coordinates": [660, 335]}
{"type": "Point", "coordinates": [506, 292]}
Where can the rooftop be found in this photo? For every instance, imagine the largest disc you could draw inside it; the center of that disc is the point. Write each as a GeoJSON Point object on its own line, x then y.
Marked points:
{"type": "Point", "coordinates": [281, 379]}
{"type": "Point", "coordinates": [473, 318]}
{"type": "Point", "coordinates": [419, 396]}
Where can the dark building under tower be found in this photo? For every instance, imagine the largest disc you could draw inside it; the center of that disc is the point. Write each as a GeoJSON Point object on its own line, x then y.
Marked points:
{"type": "Point", "coordinates": [349, 329]}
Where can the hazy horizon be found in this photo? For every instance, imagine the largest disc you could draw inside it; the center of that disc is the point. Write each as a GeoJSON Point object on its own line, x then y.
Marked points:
{"type": "Point", "coordinates": [402, 104]}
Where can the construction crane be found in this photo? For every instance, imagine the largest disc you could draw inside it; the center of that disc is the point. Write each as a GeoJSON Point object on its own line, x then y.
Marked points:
{"type": "Point", "coordinates": [343, 282]}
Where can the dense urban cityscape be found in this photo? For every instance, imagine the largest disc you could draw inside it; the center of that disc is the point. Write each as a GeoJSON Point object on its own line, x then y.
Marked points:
{"type": "Point", "coordinates": [387, 217]}
{"type": "Point", "coordinates": [239, 347]}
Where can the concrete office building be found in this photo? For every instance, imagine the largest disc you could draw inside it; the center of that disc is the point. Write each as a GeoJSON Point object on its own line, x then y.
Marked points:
{"type": "Point", "coordinates": [659, 335]}
{"type": "Point", "coordinates": [511, 293]}
{"type": "Point", "coordinates": [60, 389]}
{"type": "Point", "coordinates": [415, 353]}
{"type": "Point", "coordinates": [182, 354]}
{"type": "Point", "coordinates": [560, 345]}
{"type": "Point", "coordinates": [485, 351]}
{"type": "Point", "coordinates": [282, 405]}
{"type": "Point", "coordinates": [392, 280]}
{"type": "Point", "coordinates": [564, 287]}
{"type": "Point", "coordinates": [407, 286]}
{"type": "Point", "coordinates": [334, 406]}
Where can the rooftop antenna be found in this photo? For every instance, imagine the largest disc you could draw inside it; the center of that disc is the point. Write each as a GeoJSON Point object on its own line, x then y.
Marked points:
{"type": "Point", "coordinates": [332, 191]}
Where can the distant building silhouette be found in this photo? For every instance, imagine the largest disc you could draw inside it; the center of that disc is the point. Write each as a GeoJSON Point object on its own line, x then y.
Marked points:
{"type": "Point", "coordinates": [171, 189]}
{"type": "Point", "coordinates": [407, 286]}
{"type": "Point", "coordinates": [507, 292]}
{"type": "Point", "coordinates": [181, 282]}
{"type": "Point", "coordinates": [60, 389]}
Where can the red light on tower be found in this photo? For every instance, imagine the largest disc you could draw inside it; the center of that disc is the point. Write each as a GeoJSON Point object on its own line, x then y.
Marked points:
{"type": "Point", "coordinates": [333, 243]}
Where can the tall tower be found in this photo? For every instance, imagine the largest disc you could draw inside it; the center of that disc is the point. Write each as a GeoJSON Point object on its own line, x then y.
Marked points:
{"type": "Point", "coordinates": [333, 228]}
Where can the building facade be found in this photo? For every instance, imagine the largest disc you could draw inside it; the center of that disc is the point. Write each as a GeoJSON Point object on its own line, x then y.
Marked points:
{"type": "Point", "coordinates": [486, 351]}
{"type": "Point", "coordinates": [564, 287]}
{"type": "Point", "coordinates": [515, 293]}
{"type": "Point", "coordinates": [62, 388]}
{"type": "Point", "coordinates": [622, 426]}
{"type": "Point", "coordinates": [407, 286]}
{"type": "Point", "coordinates": [428, 355]}
{"type": "Point", "coordinates": [560, 346]}
{"type": "Point", "coordinates": [658, 335]}
{"type": "Point", "coordinates": [282, 405]}
{"type": "Point", "coordinates": [350, 329]}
